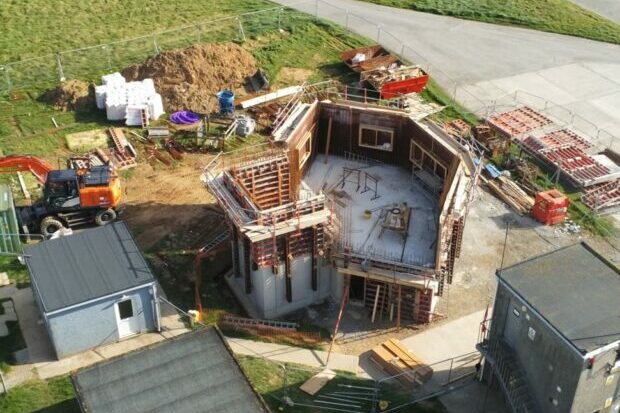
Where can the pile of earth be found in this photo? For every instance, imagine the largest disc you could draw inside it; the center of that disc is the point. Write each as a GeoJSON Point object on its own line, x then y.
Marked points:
{"type": "Point", "coordinates": [71, 95]}
{"type": "Point", "coordinates": [188, 79]}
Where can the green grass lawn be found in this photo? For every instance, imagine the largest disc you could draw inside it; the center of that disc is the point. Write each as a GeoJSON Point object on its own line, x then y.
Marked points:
{"type": "Point", "coordinates": [39, 27]}
{"type": "Point", "coordinates": [51, 396]}
{"type": "Point", "coordinates": [557, 16]}
{"type": "Point", "coordinates": [268, 379]}
{"type": "Point", "coordinates": [17, 272]}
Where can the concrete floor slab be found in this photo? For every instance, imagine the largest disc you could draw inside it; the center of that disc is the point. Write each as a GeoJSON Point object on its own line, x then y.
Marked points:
{"type": "Point", "coordinates": [536, 84]}
{"type": "Point", "coordinates": [609, 70]}
{"type": "Point", "coordinates": [448, 340]}
{"type": "Point", "coordinates": [51, 369]}
{"type": "Point", "coordinates": [395, 186]}
{"type": "Point", "coordinates": [579, 80]}
{"type": "Point", "coordinates": [288, 354]}
{"type": "Point", "coordinates": [37, 341]}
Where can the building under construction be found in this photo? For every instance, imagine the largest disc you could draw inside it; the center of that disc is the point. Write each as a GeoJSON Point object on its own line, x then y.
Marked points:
{"type": "Point", "coordinates": [351, 200]}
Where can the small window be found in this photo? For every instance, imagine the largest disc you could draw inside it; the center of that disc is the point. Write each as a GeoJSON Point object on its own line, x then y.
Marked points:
{"type": "Point", "coordinates": [376, 137]}
{"type": "Point", "coordinates": [305, 148]}
{"type": "Point", "coordinates": [125, 309]}
{"type": "Point", "coordinates": [368, 137]}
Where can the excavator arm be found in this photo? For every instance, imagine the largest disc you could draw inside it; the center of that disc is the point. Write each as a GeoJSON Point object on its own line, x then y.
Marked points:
{"type": "Point", "coordinates": [37, 166]}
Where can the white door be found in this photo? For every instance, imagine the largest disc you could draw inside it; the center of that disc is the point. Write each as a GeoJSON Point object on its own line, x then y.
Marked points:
{"type": "Point", "coordinates": [126, 318]}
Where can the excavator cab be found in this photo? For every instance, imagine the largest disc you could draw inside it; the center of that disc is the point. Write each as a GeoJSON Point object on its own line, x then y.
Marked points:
{"type": "Point", "coordinates": [61, 190]}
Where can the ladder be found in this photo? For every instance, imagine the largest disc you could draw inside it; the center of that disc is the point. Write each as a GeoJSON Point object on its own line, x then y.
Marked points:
{"type": "Point", "coordinates": [250, 322]}
{"type": "Point", "coordinates": [217, 240]}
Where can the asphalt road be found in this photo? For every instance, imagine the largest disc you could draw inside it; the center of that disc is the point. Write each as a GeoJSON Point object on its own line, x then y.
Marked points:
{"type": "Point", "coordinates": [487, 63]}
{"type": "Point", "coordinates": [606, 8]}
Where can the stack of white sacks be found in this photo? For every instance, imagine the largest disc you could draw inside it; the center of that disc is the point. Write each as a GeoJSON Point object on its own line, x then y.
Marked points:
{"type": "Point", "coordinates": [126, 100]}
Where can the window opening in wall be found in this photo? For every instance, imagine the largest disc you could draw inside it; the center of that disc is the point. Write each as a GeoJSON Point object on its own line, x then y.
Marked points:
{"type": "Point", "coordinates": [125, 309]}
{"type": "Point", "coordinates": [305, 148]}
{"type": "Point", "coordinates": [423, 158]}
{"type": "Point", "coordinates": [376, 137]}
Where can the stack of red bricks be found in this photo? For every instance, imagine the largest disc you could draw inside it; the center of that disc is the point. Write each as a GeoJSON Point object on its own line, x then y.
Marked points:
{"type": "Point", "coordinates": [517, 122]}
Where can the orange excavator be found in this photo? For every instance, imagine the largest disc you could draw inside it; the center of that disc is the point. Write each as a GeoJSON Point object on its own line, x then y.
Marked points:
{"type": "Point", "coordinates": [79, 195]}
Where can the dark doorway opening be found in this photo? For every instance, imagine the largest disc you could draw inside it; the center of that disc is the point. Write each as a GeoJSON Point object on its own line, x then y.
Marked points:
{"type": "Point", "coordinates": [356, 291]}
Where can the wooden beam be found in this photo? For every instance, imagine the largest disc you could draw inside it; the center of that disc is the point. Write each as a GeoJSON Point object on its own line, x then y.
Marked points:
{"type": "Point", "coordinates": [383, 307]}
{"type": "Point", "coordinates": [374, 307]}
{"type": "Point", "coordinates": [398, 310]}
{"type": "Point", "coordinates": [329, 138]}
{"type": "Point", "coordinates": [279, 185]}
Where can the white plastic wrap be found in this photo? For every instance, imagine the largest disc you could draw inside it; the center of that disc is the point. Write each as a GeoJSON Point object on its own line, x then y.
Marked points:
{"type": "Point", "coordinates": [124, 100]}
{"type": "Point", "coordinates": [100, 96]}
{"type": "Point", "coordinates": [156, 106]}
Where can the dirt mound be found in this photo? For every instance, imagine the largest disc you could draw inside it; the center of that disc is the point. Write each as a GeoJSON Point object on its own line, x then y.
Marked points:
{"type": "Point", "coordinates": [190, 78]}
{"type": "Point", "coordinates": [71, 95]}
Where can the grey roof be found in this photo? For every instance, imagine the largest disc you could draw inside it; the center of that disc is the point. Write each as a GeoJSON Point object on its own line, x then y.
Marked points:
{"type": "Point", "coordinates": [576, 290]}
{"type": "Point", "coordinates": [192, 373]}
{"type": "Point", "coordinates": [87, 265]}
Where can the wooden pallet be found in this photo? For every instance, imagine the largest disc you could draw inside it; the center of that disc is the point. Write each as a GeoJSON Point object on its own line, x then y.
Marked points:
{"type": "Point", "coordinates": [393, 358]}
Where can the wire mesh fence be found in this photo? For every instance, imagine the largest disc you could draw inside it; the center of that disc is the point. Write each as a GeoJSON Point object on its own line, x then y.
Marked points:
{"type": "Point", "coordinates": [93, 61]}
{"type": "Point", "coordinates": [383, 393]}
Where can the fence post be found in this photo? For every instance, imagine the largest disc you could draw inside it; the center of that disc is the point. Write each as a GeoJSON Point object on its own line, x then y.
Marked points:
{"type": "Point", "coordinates": [241, 32]}
{"type": "Point", "coordinates": [4, 386]}
{"type": "Point", "coordinates": [450, 371]}
{"type": "Point", "coordinates": [316, 9]}
{"type": "Point", "coordinates": [155, 46]}
{"type": "Point", "coordinates": [108, 55]}
{"type": "Point", "coordinates": [7, 77]}
{"type": "Point", "coordinates": [61, 74]}
{"type": "Point", "coordinates": [280, 19]}
{"type": "Point", "coordinates": [378, 33]}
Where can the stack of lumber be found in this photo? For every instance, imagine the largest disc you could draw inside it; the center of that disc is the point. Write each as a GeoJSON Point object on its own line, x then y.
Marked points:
{"type": "Point", "coordinates": [508, 191]}
{"type": "Point", "coordinates": [393, 358]}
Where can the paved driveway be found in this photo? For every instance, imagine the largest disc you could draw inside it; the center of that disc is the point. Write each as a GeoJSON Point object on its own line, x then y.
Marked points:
{"type": "Point", "coordinates": [487, 63]}
{"type": "Point", "coordinates": [607, 8]}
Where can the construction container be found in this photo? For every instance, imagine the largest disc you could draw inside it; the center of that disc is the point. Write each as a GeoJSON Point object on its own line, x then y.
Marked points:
{"type": "Point", "coordinates": [550, 207]}
{"type": "Point", "coordinates": [9, 228]}
{"type": "Point", "coordinates": [226, 99]}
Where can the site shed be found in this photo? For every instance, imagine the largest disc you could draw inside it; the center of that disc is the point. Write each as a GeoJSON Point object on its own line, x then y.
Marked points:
{"type": "Point", "coordinates": [92, 288]}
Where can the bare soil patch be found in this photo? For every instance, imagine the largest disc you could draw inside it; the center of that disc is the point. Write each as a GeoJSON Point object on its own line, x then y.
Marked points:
{"type": "Point", "coordinates": [188, 79]}
{"type": "Point", "coordinates": [71, 95]}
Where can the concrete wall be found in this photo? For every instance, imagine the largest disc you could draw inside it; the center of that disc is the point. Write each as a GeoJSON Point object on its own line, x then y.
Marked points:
{"type": "Point", "coordinates": [94, 324]}
{"type": "Point", "coordinates": [552, 367]}
{"type": "Point", "coordinates": [268, 296]}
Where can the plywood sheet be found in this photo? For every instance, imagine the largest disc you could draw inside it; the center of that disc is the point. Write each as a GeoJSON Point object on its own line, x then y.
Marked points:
{"type": "Point", "coordinates": [313, 385]}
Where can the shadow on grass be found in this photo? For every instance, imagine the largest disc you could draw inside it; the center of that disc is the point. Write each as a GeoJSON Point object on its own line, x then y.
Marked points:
{"type": "Point", "coordinates": [67, 406]}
